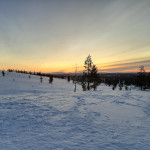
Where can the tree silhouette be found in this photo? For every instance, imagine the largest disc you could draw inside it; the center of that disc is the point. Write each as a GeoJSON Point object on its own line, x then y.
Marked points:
{"type": "Point", "coordinates": [51, 79]}
{"type": "Point", "coordinates": [90, 75]}
{"type": "Point", "coordinates": [141, 77]}
{"type": "Point", "coordinates": [88, 64]}
{"type": "Point", "coordinates": [94, 72]}
{"type": "Point", "coordinates": [94, 77]}
{"type": "Point", "coordinates": [3, 73]}
{"type": "Point", "coordinates": [41, 79]}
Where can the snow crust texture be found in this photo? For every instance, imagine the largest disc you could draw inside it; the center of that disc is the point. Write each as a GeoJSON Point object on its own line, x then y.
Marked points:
{"type": "Point", "coordinates": [43, 116]}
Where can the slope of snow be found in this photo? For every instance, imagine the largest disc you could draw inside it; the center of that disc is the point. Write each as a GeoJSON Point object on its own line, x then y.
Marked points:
{"type": "Point", "coordinates": [43, 116]}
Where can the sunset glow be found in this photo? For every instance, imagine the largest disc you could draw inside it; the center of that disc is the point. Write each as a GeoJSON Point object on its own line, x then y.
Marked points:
{"type": "Point", "coordinates": [56, 36]}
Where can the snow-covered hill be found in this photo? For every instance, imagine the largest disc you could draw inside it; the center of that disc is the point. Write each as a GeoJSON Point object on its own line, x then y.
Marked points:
{"type": "Point", "coordinates": [44, 116]}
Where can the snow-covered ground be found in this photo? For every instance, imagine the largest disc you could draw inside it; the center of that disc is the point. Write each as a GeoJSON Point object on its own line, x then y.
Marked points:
{"type": "Point", "coordinates": [44, 116]}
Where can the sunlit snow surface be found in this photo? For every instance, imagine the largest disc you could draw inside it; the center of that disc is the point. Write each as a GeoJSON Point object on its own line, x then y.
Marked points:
{"type": "Point", "coordinates": [43, 116]}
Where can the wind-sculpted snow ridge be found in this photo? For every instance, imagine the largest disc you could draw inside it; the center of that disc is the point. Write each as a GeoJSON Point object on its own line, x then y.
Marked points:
{"type": "Point", "coordinates": [43, 116]}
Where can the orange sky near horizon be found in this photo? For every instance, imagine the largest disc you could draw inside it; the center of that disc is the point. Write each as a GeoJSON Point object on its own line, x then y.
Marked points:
{"type": "Point", "coordinates": [131, 65]}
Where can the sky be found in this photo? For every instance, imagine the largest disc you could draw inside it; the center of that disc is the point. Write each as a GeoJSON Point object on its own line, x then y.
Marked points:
{"type": "Point", "coordinates": [58, 35]}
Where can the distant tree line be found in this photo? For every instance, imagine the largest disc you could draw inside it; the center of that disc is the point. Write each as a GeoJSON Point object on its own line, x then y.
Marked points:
{"type": "Point", "coordinates": [127, 80]}
{"type": "Point", "coordinates": [51, 76]}
{"type": "Point", "coordinates": [91, 79]}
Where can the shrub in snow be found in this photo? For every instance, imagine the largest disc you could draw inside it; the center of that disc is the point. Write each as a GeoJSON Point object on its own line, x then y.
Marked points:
{"type": "Point", "coordinates": [41, 79]}
{"type": "Point", "coordinates": [51, 79]}
{"type": "Point", "coordinates": [3, 73]}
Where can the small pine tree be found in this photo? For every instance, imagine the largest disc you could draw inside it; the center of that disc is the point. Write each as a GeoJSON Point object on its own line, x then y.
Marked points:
{"type": "Point", "coordinates": [94, 77]}
{"type": "Point", "coordinates": [94, 73]}
{"type": "Point", "coordinates": [51, 79]}
{"type": "Point", "coordinates": [126, 88]}
{"type": "Point", "coordinates": [88, 64]}
{"type": "Point", "coordinates": [90, 74]}
{"type": "Point", "coordinates": [148, 80]}
{"type": "Point", "coordinates": [142, 78]}
{"type": "Point", "coordinates": [41, 79]}
{"type": "Point", "coordinates": [68, 78]}
{"type": "Point", "coordinates": [3, 73]}
{"type": "Point", "coordinates": [120, 85]}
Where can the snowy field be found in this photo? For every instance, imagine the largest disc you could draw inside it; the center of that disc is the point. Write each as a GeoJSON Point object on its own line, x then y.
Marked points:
{"type": "Point", "coordinates": [44, 116]}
